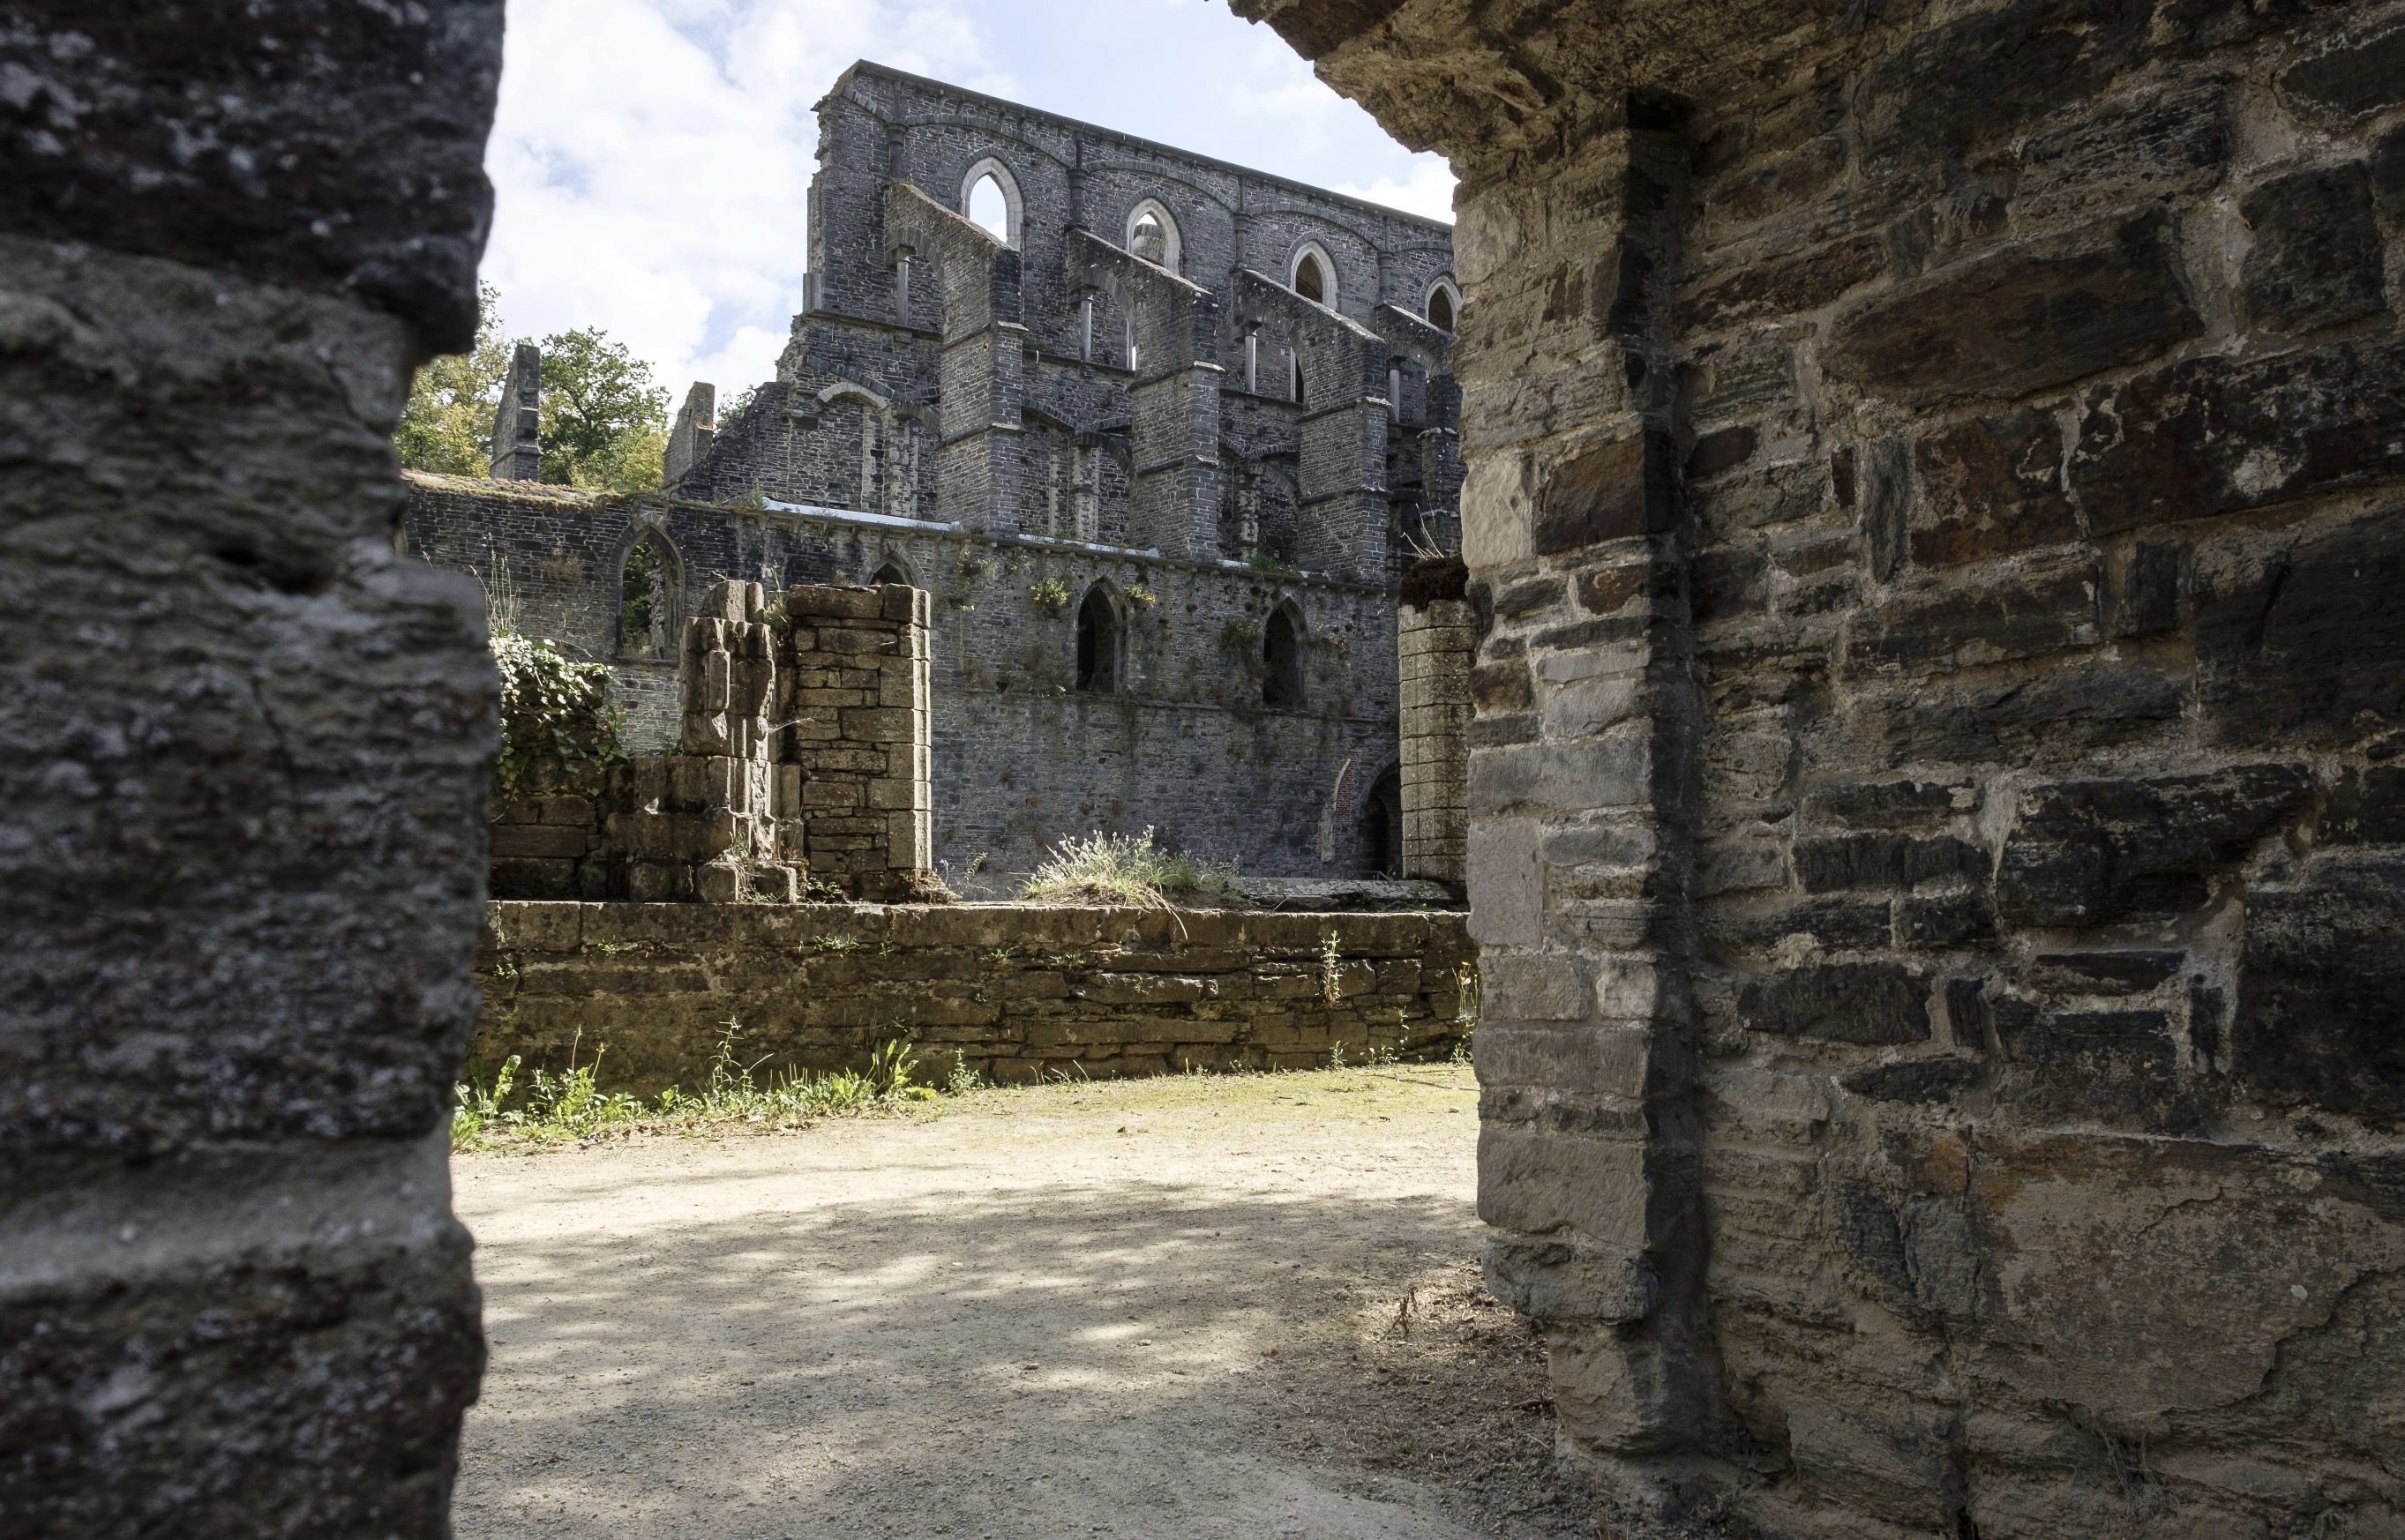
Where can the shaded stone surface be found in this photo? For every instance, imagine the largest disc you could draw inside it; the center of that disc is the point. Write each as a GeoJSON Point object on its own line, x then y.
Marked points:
{"type": "Point", "coordinates": [2317, 258]}
{"type": "Point", "coordinates": [335, 147]}
{"type": "Point", "coordinates": [246, 747]}
{"type": "Point", "coordinates": [2037, 315]}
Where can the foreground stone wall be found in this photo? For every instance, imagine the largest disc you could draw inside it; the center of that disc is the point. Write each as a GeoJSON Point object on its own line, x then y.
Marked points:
{"type": "Point", "coordinates": [1019, 992]}
{"type": "Point", "coordinates": [1935, 476]}
{"type": "Point", "coordinates": [243, 753]}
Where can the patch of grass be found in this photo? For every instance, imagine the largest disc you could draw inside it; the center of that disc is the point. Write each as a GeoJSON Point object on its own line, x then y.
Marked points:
{"type": "Point", "coordinates": [501, 1113]}
{"type": "Point", "coordinates": [1125, 869]}
{"type": "Point", "coordinates": [836, 943]}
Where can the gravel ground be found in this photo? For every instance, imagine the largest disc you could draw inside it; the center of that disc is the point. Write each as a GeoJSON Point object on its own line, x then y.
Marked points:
{"type": "Point", "coordinates": [1192, 1307]}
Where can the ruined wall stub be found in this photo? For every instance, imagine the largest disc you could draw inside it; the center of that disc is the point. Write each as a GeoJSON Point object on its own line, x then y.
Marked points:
{"type": "Point", "coordinates": [243, 757]}
{"type": "Point", "coordinates": [517, 420]}
{"type": "Point", "coordinates": [1937, 478]}
{"type": "Point", "coordinates": [1436, 644]}
{"type": "Point", "coordinates": [803, 757]}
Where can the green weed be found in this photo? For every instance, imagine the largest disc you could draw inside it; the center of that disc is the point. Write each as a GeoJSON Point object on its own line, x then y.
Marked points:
{"type": "Point", "coordinates": [1127, 869]}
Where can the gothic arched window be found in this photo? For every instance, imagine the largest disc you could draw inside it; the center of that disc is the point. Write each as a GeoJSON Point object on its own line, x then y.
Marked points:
{"type": "Point", "coordinates": [990, 196]}
{"type": "Point", "coordinates": [1152, 234]}
{"type": "Point", "coordinates": [1313, 275]}
{"type": "Point", "coordinates": [1443, 306]}
{"type": "Point", "coordinates": [1100, 639]}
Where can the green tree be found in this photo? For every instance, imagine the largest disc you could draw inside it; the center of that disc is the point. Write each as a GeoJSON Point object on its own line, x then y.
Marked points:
{"type": "Point", "coordinates": [448, 423]}
{"type": "Point", "coordinates": [604, 422]}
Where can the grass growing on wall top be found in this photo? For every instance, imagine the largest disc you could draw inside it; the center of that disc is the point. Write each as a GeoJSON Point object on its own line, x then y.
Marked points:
{"type": "Point", "coordinates": [1125, 869]}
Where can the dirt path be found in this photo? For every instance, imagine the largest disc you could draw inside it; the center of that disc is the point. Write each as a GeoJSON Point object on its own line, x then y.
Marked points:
{"type": "Point", "coordinates": [1165, 1308]}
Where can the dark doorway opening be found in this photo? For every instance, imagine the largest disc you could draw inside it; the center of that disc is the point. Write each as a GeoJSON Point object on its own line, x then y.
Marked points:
{"type": "Point", "coordinates": [1381, 830]}
{"type": "Point", "coordinates": [1098, 644]}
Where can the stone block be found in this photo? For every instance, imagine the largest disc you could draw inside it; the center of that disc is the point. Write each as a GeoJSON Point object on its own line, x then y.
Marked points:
{"type": "Point", "coordinates": [1870, 1004]}
{"type": "Point", "coordinates": [2086, 853]}
{"type": "Point", "coordinates": [1900, 862]}
{"type": "Point", "coordinates": [1557, 1280]}
{"type": "Point", "coordinates": [539, 842]}
{"type": "Point", "coordinates": [2366, 807]}
{"type": "Point", "coordinates": [2353, 75]}
{"type": "Point", "coordinates": [1781, 286]}
{"type": "Point", "coordinates": [2304, 643]}
{"type": "Point", "coordinates": [1994, 488]}
{"type": "Point", "coordinates": [2041, 314]}
{"type": "Point", "coordinates": [2149, 143]}
{"type": "Point", "coordinates": [2317, 259]}
{"type": "Point", "coordinates": [1616, 770]}
{"type": "Point", "coordinates": [1538, 1179]}
{"type": "Point", "coordinates": [879, 724]}
{"type": "Point", "coordinates": [1613, 490]}
{"type": "Point", "coordinates": [1907, 803]}
{"type": "Point", "coordinates": [2022, 614]}
{"type": "Point", "coordinates": [1535, 987]}
{"type": "Point", "coordinates": [2321, 989]}
{"type": "Point", "coordinates": [2214, 435]}
{"type": "Point", "coordinates": [1582, 1060]}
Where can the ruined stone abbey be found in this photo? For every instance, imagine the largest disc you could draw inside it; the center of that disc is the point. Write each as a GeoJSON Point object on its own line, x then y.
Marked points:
{"type": "Point", "coordinates": [1159, 449]}
{"type": "Point", "coordinates": [1925, 675]}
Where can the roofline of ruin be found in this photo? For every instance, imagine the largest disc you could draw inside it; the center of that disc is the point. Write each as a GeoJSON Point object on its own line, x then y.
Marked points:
{"type": "Point", "coordinates": [1022, 109]}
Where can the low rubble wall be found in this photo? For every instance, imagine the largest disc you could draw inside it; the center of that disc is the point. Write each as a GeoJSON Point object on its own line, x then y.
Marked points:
{"type": "Point", "coordinates": [1016, 991]}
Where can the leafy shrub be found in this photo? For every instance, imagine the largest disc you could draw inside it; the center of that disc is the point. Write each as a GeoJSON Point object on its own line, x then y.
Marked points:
{"type": "Point", "coordinates": [1051, 594]}
{"type": "Point", "coordinates": [552, 709]}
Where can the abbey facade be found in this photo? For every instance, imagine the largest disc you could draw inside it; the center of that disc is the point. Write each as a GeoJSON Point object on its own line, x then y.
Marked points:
{"type": "Point", "coordinates": [1158, 437]}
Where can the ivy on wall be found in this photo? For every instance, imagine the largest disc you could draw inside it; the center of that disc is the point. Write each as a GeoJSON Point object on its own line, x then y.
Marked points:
{"type": "Point", "coordinates": [552, 708]}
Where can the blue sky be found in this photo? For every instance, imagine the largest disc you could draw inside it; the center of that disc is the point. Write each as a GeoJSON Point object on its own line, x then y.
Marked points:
{"type": "Point", "coordinates": [650, 156]}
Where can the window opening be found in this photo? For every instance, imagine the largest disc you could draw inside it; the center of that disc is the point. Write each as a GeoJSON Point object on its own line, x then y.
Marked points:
{"type": "Point", "coordinates": [989, 206]}
{"type": "Point", "coordinates": [1308, 281]}
{"type": "Point", "coordinates": [1098, 645]}
{"type": "Point", "coordinates": [646, 600]}
{"type": "Point", "coordinates": [1440, 308]}
{"type": "Point", "coordinates": [1296, 393]}
{"type": "Point", "coordinates": [1152, 234]}
{"type": "Point", "coordinates": [891, 573]}
{"type": "Point", "coordinates": [1281, 662]}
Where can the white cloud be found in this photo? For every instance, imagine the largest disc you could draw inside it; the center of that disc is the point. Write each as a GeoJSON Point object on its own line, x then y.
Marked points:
{"type": "Point", "coordinates": [1425, 189]}
{"type": "Point", "coordinates": [652, 157]}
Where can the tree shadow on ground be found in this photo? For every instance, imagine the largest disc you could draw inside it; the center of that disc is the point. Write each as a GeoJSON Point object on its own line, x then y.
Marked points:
{"type": "Point", "coordinates": [1118, 1358]}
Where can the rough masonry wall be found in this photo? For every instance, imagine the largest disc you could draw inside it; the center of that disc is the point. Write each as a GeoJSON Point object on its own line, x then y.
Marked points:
{"type": "Point", "coordinates": [1021, 757]}
{"type": "Point", "coordinates": [244, 751]}
{"type": "Point", "coordinates": [1935, 838]}
{"type": "Point", "coordinates": [1018, 993]}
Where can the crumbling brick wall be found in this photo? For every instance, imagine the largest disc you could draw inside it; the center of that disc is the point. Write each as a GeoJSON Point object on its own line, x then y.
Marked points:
{"type": "Point", "coordinates": [1935, 476]}
{"type": "Point", "coordinates": [243, 753]}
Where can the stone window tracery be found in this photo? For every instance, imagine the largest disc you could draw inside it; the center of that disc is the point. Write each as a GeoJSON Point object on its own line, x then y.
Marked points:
{"type": "Point", "coordinates": [1313, 275]}
{"type": "Point", "coordinates": [1152, 234]}
{"type": "Point", "coordinates": [990, 196]}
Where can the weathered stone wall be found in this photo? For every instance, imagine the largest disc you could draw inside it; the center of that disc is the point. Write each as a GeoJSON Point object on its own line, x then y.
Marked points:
{"type": "Point", "coordinates": [1017, 992]}
{"type": "Point", "coordinates": [243, 753]}
{"type": "Point", "coordinates": [803, 759]}
{"type": "Point", "coordinates": [1075, 420]}
{"type": "Point", "coordinates": [1020, 757]}
{"type": "Point", "coordinates": [1936, 474]}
